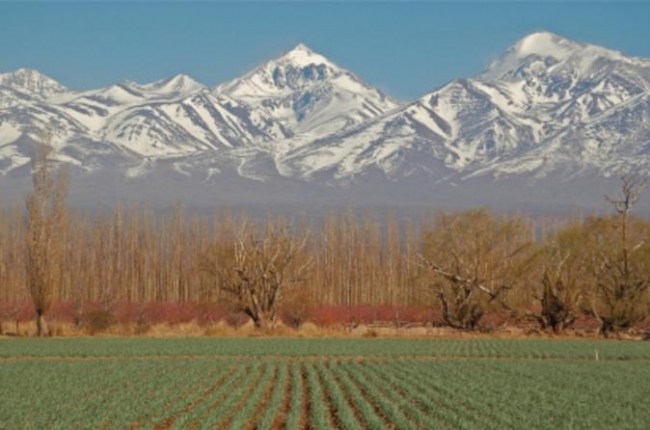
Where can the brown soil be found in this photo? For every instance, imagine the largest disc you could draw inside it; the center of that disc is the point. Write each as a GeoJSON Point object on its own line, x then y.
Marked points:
{"type": "Point", "coordinates": [280, 420]}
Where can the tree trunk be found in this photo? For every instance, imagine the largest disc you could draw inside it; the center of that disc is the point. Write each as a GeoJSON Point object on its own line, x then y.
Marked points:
{"type": "Point", "coordinates": [42, 330]}
{"type": "Point", "coordinates": [265, 321]}
{"type": "Point", "coordinates": [79, 314]}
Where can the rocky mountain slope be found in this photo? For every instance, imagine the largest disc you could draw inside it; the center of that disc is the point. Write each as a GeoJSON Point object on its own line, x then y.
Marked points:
{"type": "Point", "coordinates": [547, 109]}
{"type": "Point", "coordinates": [547, 105]}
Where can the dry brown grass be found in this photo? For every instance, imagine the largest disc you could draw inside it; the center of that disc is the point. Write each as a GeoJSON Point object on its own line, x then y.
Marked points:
{"type": "Point", "coordinates": [308, 330]}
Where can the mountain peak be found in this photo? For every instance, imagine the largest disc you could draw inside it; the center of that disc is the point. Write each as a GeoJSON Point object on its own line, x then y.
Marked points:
{"type": "Point", "coordinates": [302, 56]}
{"type": "Point", "coordinates": [305, 92]}
{"type": "Point", "coordinates": [545, 44]}
{"type": "Point", "coordinates": [180, 81]}
{"type": "Point", "coordinates": [176, 85]}
{"type": "Point", "coordinates": [541, 44]}
{"type": "Point", "coordinates": [32, 81]}
{"type": "Point", "coordinates": [24, 71]}
{"type": "Point", "coordinates": [295, 69]}
{"type": "Point", "coordinates": [301, 47]}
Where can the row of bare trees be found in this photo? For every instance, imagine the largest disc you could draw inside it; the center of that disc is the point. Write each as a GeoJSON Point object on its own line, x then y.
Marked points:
{"type": "Point", "coordinates": [132, 256]}
{"type": "Point", "coordinates": [597, 266]}
{"type": "Point", "coordinates": [468, 264]}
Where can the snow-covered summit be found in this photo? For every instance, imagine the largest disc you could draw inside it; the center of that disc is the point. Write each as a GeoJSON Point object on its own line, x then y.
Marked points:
{"type": "Point", "coordinates": [306, 92]}
{"type": "Point", "coordinates": [545, 53]}
{"type": "Point", "coordinates": [301, 55]}
{"type": "Point", "coordinates": [179, 85]}
{"type": "Point", "coordinates": [296, 69]}
{"type": "Point", "coordinates": [546, 44]}
{"type": "Point", "coordinates": [543, 47]}
{"type": "Point", "coordinates": [32, 82]}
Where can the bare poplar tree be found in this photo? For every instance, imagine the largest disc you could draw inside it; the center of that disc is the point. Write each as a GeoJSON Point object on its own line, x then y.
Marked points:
{"type": "Point", "coordinates": [45, 225]}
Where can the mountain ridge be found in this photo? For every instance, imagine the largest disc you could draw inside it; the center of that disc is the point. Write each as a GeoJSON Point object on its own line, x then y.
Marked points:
{"type": "Point", "coordinates": [547, 107]}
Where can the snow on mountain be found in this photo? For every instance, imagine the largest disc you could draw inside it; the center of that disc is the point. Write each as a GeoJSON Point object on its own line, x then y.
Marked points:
{"type": "Point", "coordinates": [590, 101]}
{"type": "Point", "coordinates": [174, 87]}
{"type": "Point", "coordinates": [32, 82]}
{"type": "Point", "coordinates": [307, 93]}
{"type": "Point", "coordinates": [11, 97]}
{"type": "Point", "coordinates": [168, 118]}
{"type": "Point", "coordinates": [199, 122]}
{"type": "Point", "coordinates": [25, 86]}
{"type": "Point", "coordinates": [95, 108]}
{"type": "Point", "coordinates": [547, 108]}
{"type": "Point", "coordinates": [452, 126]}
{"type": "Point", "coordinates": [542, 49]}
{"type": "Point", "coordinates": [546, 104]}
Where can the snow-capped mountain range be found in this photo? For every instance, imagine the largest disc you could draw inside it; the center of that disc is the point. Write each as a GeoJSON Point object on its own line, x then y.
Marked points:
{"type": "Point", "coordinates": [547, 108]}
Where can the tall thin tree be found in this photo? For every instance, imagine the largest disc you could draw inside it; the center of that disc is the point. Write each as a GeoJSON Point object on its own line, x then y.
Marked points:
{"type": "Point", "coordinates": [45, 221]}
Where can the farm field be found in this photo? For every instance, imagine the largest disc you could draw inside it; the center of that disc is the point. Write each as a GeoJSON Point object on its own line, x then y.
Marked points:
{"type": "Point", "coordinates": [323, 384]}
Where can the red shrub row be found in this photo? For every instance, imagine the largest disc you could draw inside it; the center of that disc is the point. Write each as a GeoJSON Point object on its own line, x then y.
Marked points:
{"type": "Point", "coordinates": [177, 313]}
{"type": "Point", "coordinates": [150, 313]}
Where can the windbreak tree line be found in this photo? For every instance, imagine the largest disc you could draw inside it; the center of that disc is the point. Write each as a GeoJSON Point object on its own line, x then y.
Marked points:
{"type": "Point", "coordinates": [466, 265]}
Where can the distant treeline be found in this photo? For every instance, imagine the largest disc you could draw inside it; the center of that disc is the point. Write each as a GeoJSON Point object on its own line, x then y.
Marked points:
{"type": "Point", "coordinates": [465, 264]}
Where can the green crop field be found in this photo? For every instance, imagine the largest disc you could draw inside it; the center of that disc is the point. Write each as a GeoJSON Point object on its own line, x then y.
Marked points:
{"type": "Point", "coordinates": [323, 384]}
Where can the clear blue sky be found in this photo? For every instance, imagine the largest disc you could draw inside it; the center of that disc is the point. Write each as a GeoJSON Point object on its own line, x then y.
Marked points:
{"type": "Point", "coordinates": [404, 48]}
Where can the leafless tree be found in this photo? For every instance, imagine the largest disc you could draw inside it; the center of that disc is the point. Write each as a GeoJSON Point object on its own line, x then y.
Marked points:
{"type": "Point", "coordinates": [45, 221]}
{"type": "Point", "coordinates": [561, 294]}
{"type": "Point", "coordinates": [256, 268]}
{"type": "Point", "coordinates": [622, 263]}
{"type": "Point", "coordinates": [475, 259]}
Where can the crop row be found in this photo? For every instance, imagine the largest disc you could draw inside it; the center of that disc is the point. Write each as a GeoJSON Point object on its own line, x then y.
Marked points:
{"type": "Point", "coordinates": [327, 393]}
{"type": "Point", "coordinates": [207, 347]}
